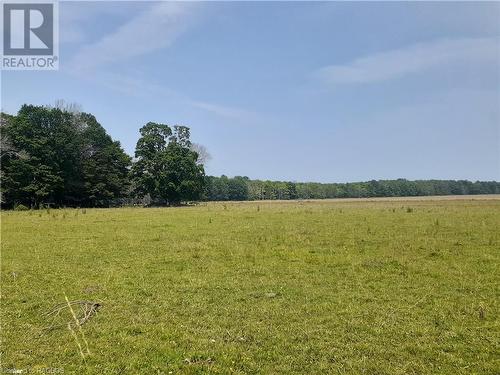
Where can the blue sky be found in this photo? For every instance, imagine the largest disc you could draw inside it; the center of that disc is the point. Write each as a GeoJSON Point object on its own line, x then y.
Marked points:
{"type": "Point", "coordinates": [323, 91]}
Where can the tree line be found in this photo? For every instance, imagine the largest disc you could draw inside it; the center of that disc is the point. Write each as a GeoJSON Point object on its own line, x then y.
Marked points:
{"type": "Point", "coordinates": [60, 156]}
{"type": "Point", "coordinates": [242, 188]}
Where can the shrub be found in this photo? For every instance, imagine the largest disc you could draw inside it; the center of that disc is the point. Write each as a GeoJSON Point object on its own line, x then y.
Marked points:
{"type": "Point", "coordinates": [20, 207]}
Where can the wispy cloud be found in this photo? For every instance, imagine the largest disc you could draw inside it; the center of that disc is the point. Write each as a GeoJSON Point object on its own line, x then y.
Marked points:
{"type": "Point", "coordinates": [140, 87]}
{"type": "Point", "coordinates": [132, 86]}
{"type": "Point", "coordinates": [224, 111]}
{"type": "Point", "coordinates": [76, 16]}
{"type": "Point", "coordinates": [400, 62]}
{"type": "Point", "coordinates": [156, 28]}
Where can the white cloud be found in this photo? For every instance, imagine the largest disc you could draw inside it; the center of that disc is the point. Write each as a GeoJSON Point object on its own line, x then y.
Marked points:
{"type": "Point", "coordinates": [400, 62]}
{"type": "Point", "coordinates": [76, 16]}
{"type": "Point", "coordinates": [223, 111]}
{"type": "Point", "coordinates": [139, 87]}
{"type": "Point", "coordinates": [154, 29]}
{"type": "Point", "coordinates": [132, 86]}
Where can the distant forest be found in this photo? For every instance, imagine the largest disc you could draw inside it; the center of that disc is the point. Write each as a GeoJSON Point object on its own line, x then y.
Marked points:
{"type": "Point", "coordinates": [242, 188]}
{"type": "Point", "coordinates": [59, 156]}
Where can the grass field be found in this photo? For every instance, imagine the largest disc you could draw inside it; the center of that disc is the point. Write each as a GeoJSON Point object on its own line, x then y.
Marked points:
{"type": "Point", "coordinates": [354, 287]}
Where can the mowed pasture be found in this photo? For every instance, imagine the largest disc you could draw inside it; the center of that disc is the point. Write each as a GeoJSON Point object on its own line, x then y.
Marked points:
{"type": "Point", "coordinates": [340, 287]}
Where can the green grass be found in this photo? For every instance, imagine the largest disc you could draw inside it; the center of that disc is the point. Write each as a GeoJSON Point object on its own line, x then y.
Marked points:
{"type": "Point", "coordinates": [271, 288]}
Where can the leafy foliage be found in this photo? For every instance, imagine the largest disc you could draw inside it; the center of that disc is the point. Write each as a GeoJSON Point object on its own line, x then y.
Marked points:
{"type": "Point", "coordinates": [60, 158]}
{"type": "Point", "coordinates": [227, 189]}
{"type": "Point", "coordinates": [105, 165]}
{"type": "Point", "coordinates": [166, 168]}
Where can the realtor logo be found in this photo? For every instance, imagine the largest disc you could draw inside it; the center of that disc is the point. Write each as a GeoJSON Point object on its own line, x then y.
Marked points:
{"type": "Point", "coordinates": [30, 32]}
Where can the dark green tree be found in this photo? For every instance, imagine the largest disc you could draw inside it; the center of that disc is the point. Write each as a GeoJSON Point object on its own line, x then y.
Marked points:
{"type": "Point", "coordinates": [166, 168]}
{"type": "Point", "coordinates": [61, 158]}
{"type": "Point", "coordinates": [291, 190]}
{"type": "Point", "coordinates": [105, 165]}
{"type": "Point", "coordinates": [50, 171]}
{"type": "Point", "coordinates": [238, 188]}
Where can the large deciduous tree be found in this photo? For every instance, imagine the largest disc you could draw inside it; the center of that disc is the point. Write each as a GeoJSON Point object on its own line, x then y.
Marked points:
{"type": "Point", "coordinates": [62, 158]}
{"type": "Point", "coordinates": [166, 167]}
{"type": "Point", "coordinates": [105, 164]}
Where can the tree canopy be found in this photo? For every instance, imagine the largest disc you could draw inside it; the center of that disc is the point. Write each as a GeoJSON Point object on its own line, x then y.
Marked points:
{"type": "Point", "coordinates": [166, 168]}
{"type": "Point", "coordinates": [60, 158]}
{"type": "Point", "coordinates": [223, 189]}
